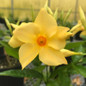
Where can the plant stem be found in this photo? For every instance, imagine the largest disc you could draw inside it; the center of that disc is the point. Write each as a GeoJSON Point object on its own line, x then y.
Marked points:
{"type": "Point", "coordinates": [47, 73]}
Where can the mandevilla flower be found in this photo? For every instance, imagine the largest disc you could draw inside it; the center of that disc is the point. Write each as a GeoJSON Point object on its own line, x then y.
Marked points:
{"type": "Point", "coordinates": [83, 21]}
{"type": "Point", "coordinates": [42, 37]}
{"type": "Point", "coordinates": [78, 27]}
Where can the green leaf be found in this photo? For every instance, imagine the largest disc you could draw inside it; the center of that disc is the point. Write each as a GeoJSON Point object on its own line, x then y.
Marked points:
{"type": "Point", "coordinates": [1, 33]}
{"type": "Point", "coordinates": [84, 37]}
{"type": "Point", "coordinates": [80, 69]}
{"type": "Point", "coordinates": [55, 72]}
{"type": "Point", "coordinates": [37, 83]}
{"type": "Point", "coordinates": [62, 15]}
{"type": "Point", "coordinates": [67, 15]}
{"type": "Point", "coordinates": [9, 50]}
{"type": "Point", "coordinates": [53, 83]}
{"type": "Point", "coordinates": [76, 58]}
{"type": "Point", "coordinates": [22, 73]}
{"type": "Point", "coordinates": [39, 68]}
{"type": "Point", "coordinates": [32, 14]}
{"type": "Point", "coordinates": [83, 61]}
{"type": "Point", "coordinates": [61, 74]}
{"type": "Point", "coordinates": [72, 45]}
{"type": "Point", "coordinates": [36, 61]}
{"type": "Point", "coordinates": [63, 78]}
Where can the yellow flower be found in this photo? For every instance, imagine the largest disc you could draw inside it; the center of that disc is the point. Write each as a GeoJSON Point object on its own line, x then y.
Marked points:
{"type": "Point", "coordinates": [83, 21]}
{"type": "Point", "coordinates": [41, 37]}
{"type": "Point", "coordinates": [82, 17]}
{"type": "Point", "coordinates": [78, 27]}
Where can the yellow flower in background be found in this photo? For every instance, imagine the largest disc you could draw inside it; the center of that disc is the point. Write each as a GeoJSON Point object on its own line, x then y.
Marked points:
{"type": "Point", "coordinates": [42, 37]}
{"type": "Point", "coordinates": [78, 27]}
{"type": "Point", "coordinates": [83, 21]}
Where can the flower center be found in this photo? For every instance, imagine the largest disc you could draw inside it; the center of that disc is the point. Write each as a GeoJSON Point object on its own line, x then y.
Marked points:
{"type": "Point", "coordinates": [41, 40]}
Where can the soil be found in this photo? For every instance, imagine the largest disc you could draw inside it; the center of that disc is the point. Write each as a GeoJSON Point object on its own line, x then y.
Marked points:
{"type": "Point", "coordinates": [8, 62]}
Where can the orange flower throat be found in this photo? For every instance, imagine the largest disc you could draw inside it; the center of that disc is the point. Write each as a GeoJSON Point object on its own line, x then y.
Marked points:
{"type": "Point", "coordinates": [41, 40]}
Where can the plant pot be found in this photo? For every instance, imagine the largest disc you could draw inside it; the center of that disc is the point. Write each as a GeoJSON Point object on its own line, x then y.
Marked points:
{"type": "Point", "coordinates": [9, 63]}
{"type": "Point", "coordinates": [11, 81]}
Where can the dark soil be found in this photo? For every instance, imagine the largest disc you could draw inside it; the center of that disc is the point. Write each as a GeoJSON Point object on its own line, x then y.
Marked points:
{"type": "Point", "coordinates": [8, 62]}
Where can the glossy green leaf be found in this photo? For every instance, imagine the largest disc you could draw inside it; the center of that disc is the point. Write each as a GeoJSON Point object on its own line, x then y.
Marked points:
{"type": "Point", "coordinates": [55, 72]}
{"type": "Point", "coordinates": [84, 37]}
{"type": "Point", "coordinates": [63, 78]}
{"type": "Point", "coordinates": [76, 58]}
{"type": "Point", "coordinates": [83, 61]}
{"type": "Point", "coordinates": [73, 45]}
{"type": "Point", "coordinates": [53, 83]}
{"type": "Point", "coordinates": [37, 82]}
{"type": "Point", "coordinates": [9, 50]}
{"type": "Point", "coordinates": [80, 69]}
{"type": "Point", "coordinates": [39, 68]}
{"type": "Point", "coordinates": [36, 61]}
{"type": "Point", "coordinates": [32, 13]}
{"type": "Point", "coordinates": [22, 73]}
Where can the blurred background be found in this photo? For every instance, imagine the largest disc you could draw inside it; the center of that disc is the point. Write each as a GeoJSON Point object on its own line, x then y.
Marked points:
{"type": "Point", "coordinates": [22, 8]}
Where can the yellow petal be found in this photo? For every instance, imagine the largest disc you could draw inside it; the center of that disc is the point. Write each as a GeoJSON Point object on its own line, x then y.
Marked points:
{"type": "Point", "coordinates": [78, 27]}
{"type": "Point", "coordinates": [14, 42]}
{"type": "Point", "coordinates": [58, 40]}
{"type": "Point", "coordinates": [83, 33]}
{"type": "Point", "coordinates": [27, 53]}
{"type": "Point", "coordinates": [16, 26]}
{"type": "Point", "coordinates": [67, 35]}
{"type": "Point", "coordinates": [51, 57]}
{"type": "Point", "coordinates": [27, 33]}
{"type": "Point", "coordinates": [77, 30]}
{"type": "Point", "coordinates": [47, 22]}
{"type": "Point", "coordinates": [62, 32]}
{"type": "Point", "coordinates": [69, 53]}
{"type": "Point", "coordinates": [56, 44]}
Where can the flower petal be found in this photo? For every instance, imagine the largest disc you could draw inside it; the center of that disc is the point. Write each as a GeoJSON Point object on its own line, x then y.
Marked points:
{"type": "Point", "coordinates": [16, 26]}
{"type": "Point", "coordinates": [47, 22]}
{"type": "Point", "coordinates": [62, 32]}
{"type": "Point", "coordinates": [14, 42]}
{"type": "Point", "coordinates": [58, 40]}
{"type": "Point", "coordinates": [56, 44]}
{"type": "Point", "coordinates": [68, 53]}
{"type": "Point", "coordinates": [26, 33]}
{"type": "Point", "coordinates": [51, 57]}
{"type": "Point", "coordinates": [27, 53]}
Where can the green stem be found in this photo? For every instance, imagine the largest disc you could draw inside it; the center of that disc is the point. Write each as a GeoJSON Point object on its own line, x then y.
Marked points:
{"type": "Point", "coordinates": [46, 74]}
